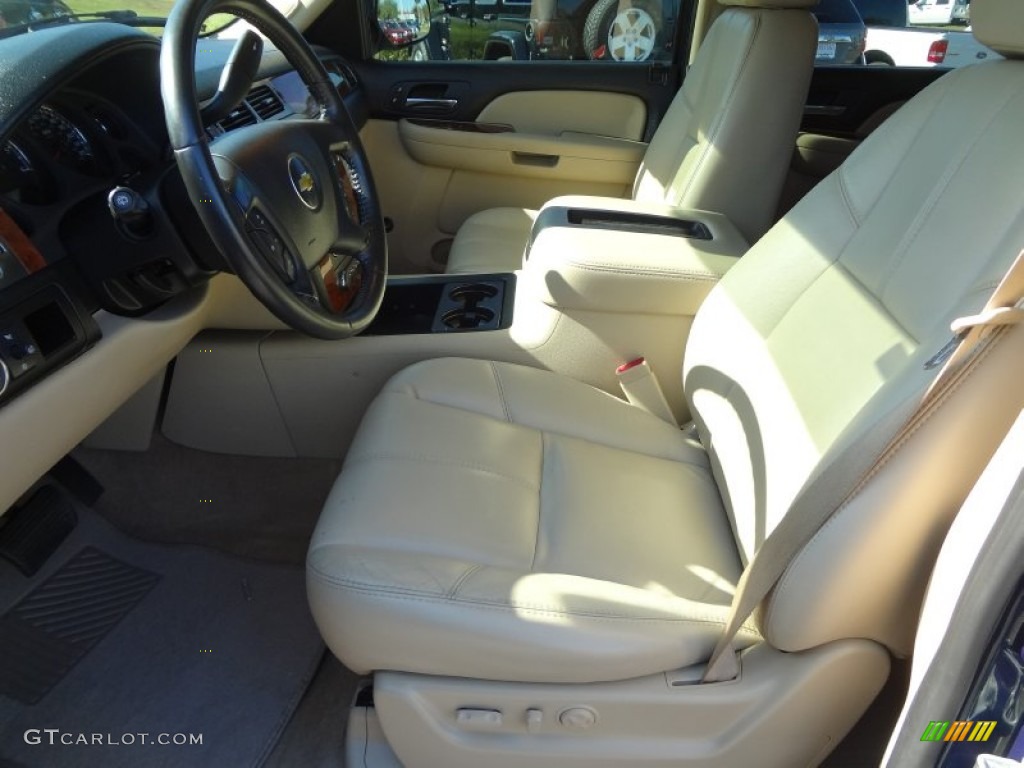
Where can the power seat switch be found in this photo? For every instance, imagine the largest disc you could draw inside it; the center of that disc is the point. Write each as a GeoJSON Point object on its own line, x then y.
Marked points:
{"type": "Point", "coordinates": [479, 719]}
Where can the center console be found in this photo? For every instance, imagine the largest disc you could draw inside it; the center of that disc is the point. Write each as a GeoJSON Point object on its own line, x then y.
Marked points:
{"type": "Point", "coordinates": [445, 304]}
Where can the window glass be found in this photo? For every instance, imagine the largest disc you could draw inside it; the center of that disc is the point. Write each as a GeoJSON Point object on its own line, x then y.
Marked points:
{"type": "Point", "coordinates": [561, 30]}
{"type": "Point", "coordinates": [925, 33]}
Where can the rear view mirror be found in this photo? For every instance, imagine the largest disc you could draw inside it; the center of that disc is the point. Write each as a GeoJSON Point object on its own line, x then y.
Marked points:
{"type": "Point", "coordinates": [403, 22]}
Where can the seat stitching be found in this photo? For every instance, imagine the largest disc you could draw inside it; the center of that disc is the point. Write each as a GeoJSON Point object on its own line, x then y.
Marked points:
{"type": "Point", "coordinates": [424, 459]}
{"type": "Point", "coordinates": [540, 497]}
{"type": "Point", "coordinates": [844, 192]}
{"type": "Point", "coordinates": [895, 320]}
{"type": "Point", "coordinates": [649, 271]}
{"type": "Point", "coordinates": [936, 195]}
{"type": "Point", "coordinates": [918, 424]}
{"type": "Point", "coordinates": [501, 391]}
{"type": "Point", "coordinates": [400, 593]}
{"type": "Point", "coordinates": [939, 100]}
{"type": "Point", "coordinates": [723, 112]}
{"type": "Point", "coordinates": [605, 444]}
{"type": "Point", "coordinates": [462, 580]}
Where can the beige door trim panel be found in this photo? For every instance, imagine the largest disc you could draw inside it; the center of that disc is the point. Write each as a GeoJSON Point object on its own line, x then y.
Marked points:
{"type": "Point", "coordinates": [599, 113]}
{"type": "Point", "coordinates": [569, 156]}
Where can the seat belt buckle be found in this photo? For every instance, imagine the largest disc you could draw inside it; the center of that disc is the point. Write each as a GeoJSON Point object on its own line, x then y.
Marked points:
{"type": "Point", "coordinates": [641, 388]}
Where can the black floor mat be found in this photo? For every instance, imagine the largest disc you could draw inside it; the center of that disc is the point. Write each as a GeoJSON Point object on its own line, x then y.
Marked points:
{"type": "Point", "coordinates": [138, 642]}
{"type": "Point", "coordinates": [32, 532]}
{"type": "Point", "coordinates": [59, 622]}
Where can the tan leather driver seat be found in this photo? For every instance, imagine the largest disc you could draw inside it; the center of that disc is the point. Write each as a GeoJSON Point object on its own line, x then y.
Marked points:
{"type": "Point", "coordinates": [535, 571]}
{"type": "Point", "coordinates": [724, 144]}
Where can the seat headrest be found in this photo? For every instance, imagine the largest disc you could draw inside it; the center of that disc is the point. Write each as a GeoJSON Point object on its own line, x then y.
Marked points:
{"type": "Point", "coordinates": [999, 24]}
{"type": "Point", "coordinates": [771, 3]}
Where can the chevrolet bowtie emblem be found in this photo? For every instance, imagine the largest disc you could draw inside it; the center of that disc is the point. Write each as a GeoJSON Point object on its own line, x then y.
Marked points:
{"type": "Point", "coordinates": [303, 181]}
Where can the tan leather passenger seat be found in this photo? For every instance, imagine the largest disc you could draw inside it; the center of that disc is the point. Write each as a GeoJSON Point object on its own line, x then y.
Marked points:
{"type": "Point", "coordinates": [724, 144]}
{"type": "Point", "coordinates": [504, 539]}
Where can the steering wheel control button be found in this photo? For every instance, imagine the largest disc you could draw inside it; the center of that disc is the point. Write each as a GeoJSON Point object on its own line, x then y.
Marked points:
{"type": "Point", "coordinates": [304, 182]}
{"type": "Point", "coordinates": [272, 249]}
{"type": "Point", "coordinates": [577, 718]}
{"type": "Point", "coordinates": [257, 220]}
{"type": "Point", "coordinates": [479, 719]}
{"type": "Point", "coordinates": [269, 244]}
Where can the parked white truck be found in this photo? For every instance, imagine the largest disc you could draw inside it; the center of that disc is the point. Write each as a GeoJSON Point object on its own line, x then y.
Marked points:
{"type": "Point", "coordinates": [892, 41]}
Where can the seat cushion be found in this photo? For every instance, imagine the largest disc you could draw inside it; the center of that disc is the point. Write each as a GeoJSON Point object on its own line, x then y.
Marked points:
{"type": "Point", "coordinates": [491, 241]}
{"type": "Point", "coordinates": [501, 522]}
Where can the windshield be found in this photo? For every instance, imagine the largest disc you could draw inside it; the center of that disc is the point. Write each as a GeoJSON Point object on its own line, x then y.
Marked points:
{"type": "Point", "coordinates": [19, 13]}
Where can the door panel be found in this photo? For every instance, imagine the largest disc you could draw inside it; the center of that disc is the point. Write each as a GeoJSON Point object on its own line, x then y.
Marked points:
{"type": "Point", "coordinates": [551, 128]}
{"type": "Point", "coordinates": [551, 112]}
{"type": "Point", "coordinates": [396, 89]}
{"type": "Point", "coordinates": [565, 156]}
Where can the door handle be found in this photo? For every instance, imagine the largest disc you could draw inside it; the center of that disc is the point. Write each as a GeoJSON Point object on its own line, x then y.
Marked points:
{"type": "Point", "coordinates": [431, 104]}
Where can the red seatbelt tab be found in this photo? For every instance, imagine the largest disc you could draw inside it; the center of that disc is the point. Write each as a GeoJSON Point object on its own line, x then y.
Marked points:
{"type": "Point", "coordinates": [641, 388]}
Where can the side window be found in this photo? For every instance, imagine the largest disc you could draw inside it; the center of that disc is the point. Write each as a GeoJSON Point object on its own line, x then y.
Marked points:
{"type": "Point", "coordinates": [921, 33]}
{"type": "Point", "coordinates": [527, 30]}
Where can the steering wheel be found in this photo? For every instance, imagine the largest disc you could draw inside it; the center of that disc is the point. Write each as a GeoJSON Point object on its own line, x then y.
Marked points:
{"type": "Point", "coordinates": [290, 204]}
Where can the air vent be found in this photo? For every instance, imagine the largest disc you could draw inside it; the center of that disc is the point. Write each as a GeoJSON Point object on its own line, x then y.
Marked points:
{"type": "Point", "coordinates": [240, 115]}
{"type": "Point", "coordinates": [265, 102]}
{"type": "Point", "coordinates": [343, 78]}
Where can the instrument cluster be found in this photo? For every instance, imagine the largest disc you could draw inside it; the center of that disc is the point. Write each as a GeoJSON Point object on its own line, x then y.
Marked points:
{"type": "Point", "coordinates": [58, 145]}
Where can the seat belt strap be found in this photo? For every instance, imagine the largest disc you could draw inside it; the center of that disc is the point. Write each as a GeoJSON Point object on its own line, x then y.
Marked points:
{"type": "Point", "coordinates": [816, 502]}
{"type": "Point", "coordinates": [642, 389]}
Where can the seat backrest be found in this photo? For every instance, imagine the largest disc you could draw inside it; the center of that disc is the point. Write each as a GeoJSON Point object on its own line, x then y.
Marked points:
{"type": "Point", "coordinates": [726, 141]}
{"type": "Point", "coordinates": [828, 322]}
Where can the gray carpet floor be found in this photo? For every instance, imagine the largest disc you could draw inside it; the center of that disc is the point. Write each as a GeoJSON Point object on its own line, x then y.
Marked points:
{"type": "Point", "coordinates": [262, 508]}
{"type": "Point", "coordinates": [214, 645]}
{"type": "Point", "coordinates": [315, 737]}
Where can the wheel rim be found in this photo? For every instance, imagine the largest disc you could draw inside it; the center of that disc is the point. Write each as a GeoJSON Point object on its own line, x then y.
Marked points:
{"type": "Point", "coordinates": [631, 35]}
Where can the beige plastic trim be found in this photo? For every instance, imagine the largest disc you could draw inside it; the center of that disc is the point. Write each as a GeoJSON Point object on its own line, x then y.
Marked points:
{"type": "Point", "coordinates": [53, 416]}
{"type": "Point", "coordinates": [552, 112]}
{"type": "Point", "coordinates": [569, 156]}
{"type": "Point", "coordinates": [224, 367]}
{"type": "Point", "coordinates": [365, 743]}
{"type": "Point", "coordinates": [785, 710]}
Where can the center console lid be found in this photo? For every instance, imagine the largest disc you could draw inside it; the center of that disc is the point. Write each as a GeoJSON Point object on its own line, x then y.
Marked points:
{"type": "Point", "coordinates": [615, 255]}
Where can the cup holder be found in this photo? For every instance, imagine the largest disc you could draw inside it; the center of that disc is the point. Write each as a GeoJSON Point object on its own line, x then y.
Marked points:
{"type": "Point", "coordinates": [473, 293]}
{"type": "Point", "coordinates": [460, 319]}
{"type": "Point", "coordinates": [470, 307]}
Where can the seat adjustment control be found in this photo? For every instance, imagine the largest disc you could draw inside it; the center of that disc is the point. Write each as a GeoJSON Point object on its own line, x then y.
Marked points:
{"type": "Point", "coordinates": [534, 720]}
{"type": "Point", "coordinates": [577, 718]}
{"type": "Point", "coordinates": [479, 719]}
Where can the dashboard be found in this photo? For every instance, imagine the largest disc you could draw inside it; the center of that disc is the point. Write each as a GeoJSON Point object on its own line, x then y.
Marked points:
{"type": "Point", "coordinates": [82, 126]}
